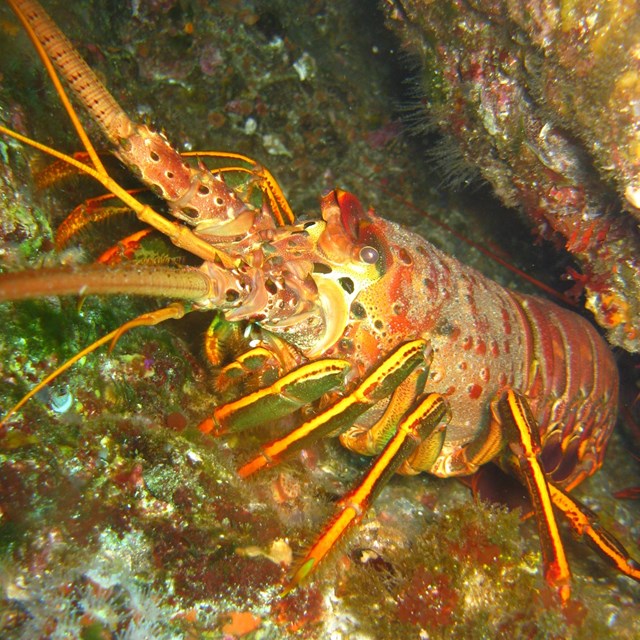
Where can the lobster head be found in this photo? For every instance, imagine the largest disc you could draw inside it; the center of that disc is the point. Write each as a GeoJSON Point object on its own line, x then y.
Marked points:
{"type": "Point", "coordinates": [300, 281]}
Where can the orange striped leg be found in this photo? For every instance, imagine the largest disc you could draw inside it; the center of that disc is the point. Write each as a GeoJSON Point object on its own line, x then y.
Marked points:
{"type": "Point", "coordinates": [585, 524]}
{"type": "Point", "coordinates": [236, 376]}
{"type": "Point", "coordinates": [286, 395]}
{"type": "Point", "coordinates": [521, 431]}
{"type": "Point", "coordinates": [125, 249]}
{"type": "Point", "coordinates": [375, 387]}
{"type": "Point", "coordinates": [371, 440]}
{"type": "Point", "coordinates": [425, 424]}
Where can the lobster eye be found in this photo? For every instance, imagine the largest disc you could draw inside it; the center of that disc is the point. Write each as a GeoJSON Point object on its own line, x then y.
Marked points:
{"type": "Point", "coordinates": [369, 255]}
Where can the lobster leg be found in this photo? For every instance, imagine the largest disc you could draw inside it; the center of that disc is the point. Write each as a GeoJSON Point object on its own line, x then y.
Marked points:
{"type": "Point", "coordinates": [125, 249]}
{"type": "Point", "coordinates": [585, 524]}
{"type": "Point", "coordinates": [424, 425]}
{"type": "Point", "coordinates": [522, 431]}
{"type": "Point", "coordinates": [251, 370]}
{"type": "Point", "coordinates": [89, 212]}
{"type": "Point", "coordinates": [375, 387]}
{"type": "Point", "coordinates": [406, 429]}
{"type": "Point", "coordinates": [258, 365]}
{"type": "Point", "coordinates": [522, 434]}
{"type": "Point", "coordinates": [283, 397]}
{"type": "Point", "coordinates": [370, 441]}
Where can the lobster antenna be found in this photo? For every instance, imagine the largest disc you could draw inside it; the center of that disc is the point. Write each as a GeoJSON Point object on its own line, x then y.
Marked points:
{"type": "Point", "coordinates": [71, 112]}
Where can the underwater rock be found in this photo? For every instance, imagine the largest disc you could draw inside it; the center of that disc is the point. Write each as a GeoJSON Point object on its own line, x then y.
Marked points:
{"type": "Point", "coordinates": [542, 97]}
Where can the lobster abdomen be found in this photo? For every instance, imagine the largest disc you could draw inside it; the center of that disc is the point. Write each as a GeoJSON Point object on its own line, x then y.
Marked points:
{"type": "Point", "coordinates": [573, 389]}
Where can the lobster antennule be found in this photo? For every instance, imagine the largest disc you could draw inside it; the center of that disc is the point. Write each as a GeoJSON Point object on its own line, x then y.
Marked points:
{"type": "Point", "coordinates": [161, 282]}
{"type": "Point", "coordinates": [174, 311]}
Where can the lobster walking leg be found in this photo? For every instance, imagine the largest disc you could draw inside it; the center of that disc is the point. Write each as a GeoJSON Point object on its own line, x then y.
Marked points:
{"type": "Point", "coordinates": [409, 439]}
{"type": "Point", "coordinates": [375, 387]}
{"type": "Point", "coordinates": [521, 431]}
{"type": "Point", "coordinates": [585, 524]}
{"type": "Point", "coordinates": [286, 395]}
{"type": "Point", "coordinates": [370, 441]}
{"type": "Point", "coordinates": [424, 425]}
{"type": "Point", "coordinates": [253, 369]}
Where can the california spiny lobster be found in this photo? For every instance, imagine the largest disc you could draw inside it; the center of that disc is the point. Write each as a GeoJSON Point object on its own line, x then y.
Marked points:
{"type": "Point", "coordinates": [358, 301]}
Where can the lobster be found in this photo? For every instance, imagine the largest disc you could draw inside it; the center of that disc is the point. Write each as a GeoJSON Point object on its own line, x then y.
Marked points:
{"type": "Point", "coordinates": [413, 357]}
